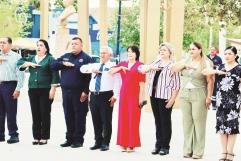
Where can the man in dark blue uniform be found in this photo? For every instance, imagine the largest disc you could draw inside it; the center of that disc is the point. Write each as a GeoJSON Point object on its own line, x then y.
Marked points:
{"type": "Point", "coordinates": [214, 57]}
{"type": "Point", "coordinates": [75, 91]}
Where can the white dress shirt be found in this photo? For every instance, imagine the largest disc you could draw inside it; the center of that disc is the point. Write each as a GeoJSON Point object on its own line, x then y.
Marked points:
{"type": "Point", "coordinates": [9, 70]}
{"type": "Point", "coordinates": [108, 81]}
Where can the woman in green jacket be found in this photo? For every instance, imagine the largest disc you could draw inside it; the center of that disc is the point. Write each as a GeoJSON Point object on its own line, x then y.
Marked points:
{"type": "Point", "coordinates": [42, 86]}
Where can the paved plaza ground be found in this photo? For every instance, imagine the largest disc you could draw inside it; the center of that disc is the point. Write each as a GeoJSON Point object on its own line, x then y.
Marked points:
{"type": "Point", "coordinates": [25, 151]}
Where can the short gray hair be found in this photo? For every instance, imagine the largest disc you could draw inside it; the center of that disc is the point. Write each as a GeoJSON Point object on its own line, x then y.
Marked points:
{"type": "Point", "coordinates": [168, 46]}
{"type": "Point", "coordinates": [106, 49]}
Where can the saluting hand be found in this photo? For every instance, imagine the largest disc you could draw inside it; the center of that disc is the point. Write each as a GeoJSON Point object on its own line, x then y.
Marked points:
{"type": "Point", "coordinates": [96, 71]}
{"type": "Point", "coordinates": [16, 94]}
{"type": "Point", "coordinates": [83, 97]}
{"type": "Point", "coordinates": [68, 64]}
{"type": "Point", "coordinates": [30, 64]}
{"type": "Point", "coordinates": [190, 67]}
{"type": "Point", "coordinates": [156, 68]}
{"type": "Point", "coordinates": [124, 69]}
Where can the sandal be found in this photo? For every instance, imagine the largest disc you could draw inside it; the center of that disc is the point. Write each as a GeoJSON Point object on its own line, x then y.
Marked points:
{"type": "Point", "coordinates": [232, 156]}
{"type": "Point", "coordinates": [130, 150]}
{"type": "Point", "coordinates": [224, 157]}
{"type": "Point", "coordinates": [123, 149]}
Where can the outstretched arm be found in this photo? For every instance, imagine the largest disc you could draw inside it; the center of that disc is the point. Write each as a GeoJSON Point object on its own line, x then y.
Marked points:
{"type": "Point", "coordinates": [118, 69]}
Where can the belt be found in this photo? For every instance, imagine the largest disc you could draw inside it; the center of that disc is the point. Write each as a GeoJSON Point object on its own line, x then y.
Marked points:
{"type": "Point", "coordinates": [100, 93]}
{"type": "Point", "coordinates": [7, 82]}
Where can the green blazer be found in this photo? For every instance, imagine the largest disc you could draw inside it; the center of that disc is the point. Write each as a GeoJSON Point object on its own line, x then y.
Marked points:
{"type": "Point", "coordinates": [43, 76]}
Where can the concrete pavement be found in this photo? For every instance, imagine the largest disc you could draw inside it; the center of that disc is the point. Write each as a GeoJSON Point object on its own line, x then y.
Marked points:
{"type": "Point", "coordinates": [25, 151]}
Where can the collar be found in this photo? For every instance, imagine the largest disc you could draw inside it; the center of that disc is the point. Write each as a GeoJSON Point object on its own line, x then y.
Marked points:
{"type": "Point", "coordinates": [38, 60]}
{"type": "Point", "coordinates": [8, 53]}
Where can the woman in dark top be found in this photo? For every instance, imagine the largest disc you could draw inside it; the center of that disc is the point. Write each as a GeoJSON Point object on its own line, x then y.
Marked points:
{"type": "Point", "coordinates": [42, 86]}
{"type": "Point", "coordinates": [228, 100]}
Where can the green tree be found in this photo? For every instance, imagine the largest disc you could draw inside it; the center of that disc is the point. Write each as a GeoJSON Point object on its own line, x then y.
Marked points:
{"type": "Point", "coordinates": [228, 11]}
{"type": "Point", "coordinates": [198, 14]}
{"type": "Point", "coordinates": [130, 26]}
{"type": "Point", "coordinates": [35, 4]}
{"type": "Point", "coordinates": [59, 4]}
{"type": "Point", "coordinates": [13, 13]}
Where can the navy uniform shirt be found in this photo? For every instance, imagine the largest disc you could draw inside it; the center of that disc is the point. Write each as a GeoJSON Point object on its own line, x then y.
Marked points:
{"type": "Point", "coordinates": [71, 77]}
{"type": "Point", "coordinates": [216, 60]}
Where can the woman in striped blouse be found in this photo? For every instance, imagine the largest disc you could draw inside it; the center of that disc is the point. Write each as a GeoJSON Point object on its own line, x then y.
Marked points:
{"type": "Point", "coordinates": [163, 88]}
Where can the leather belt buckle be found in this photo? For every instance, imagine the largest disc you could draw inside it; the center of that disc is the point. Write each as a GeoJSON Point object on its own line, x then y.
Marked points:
{"type": "Point", "coordinates": [96, 93]}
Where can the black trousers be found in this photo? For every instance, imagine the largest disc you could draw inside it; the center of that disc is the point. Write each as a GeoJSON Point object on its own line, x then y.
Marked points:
{"type": "Point", "coordinates": [75, 115]}
{"type": "Point", "coordinates": [41, 109]}
{"type": "Point", "coordinates": [101, 112]}
{"type": "Point", "coordinates": [163, 122]}
{"type": "Point", "coordinates": [8, 107]}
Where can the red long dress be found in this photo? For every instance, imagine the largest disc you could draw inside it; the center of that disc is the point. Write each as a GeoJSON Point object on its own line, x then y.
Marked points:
{"type": "Point", "coordinates": [129, 111]}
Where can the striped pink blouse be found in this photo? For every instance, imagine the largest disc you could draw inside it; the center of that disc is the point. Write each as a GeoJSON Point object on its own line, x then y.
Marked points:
{"type": "Point", "coordinates": [167, 81]}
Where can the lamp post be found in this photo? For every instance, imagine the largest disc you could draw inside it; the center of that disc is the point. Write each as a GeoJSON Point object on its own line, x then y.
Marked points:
{"type": "Point", "coordinates": [211, 21]}
{"type": "Point", "coordinates": [118, 31]}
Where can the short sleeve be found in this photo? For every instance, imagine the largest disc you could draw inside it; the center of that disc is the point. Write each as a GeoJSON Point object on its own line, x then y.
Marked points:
{"type": "Point", "coordinates": [142, 77]}
{"type": "Point", "coordinates": [120, 64]}
{"type": "Point", "coordinates": [217, 76]}
{"type": "Point", "coordinates": [123, 63]}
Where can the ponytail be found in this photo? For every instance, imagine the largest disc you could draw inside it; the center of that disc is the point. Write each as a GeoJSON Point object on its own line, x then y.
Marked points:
{"type": "Point", "coordinates": [237, 59]}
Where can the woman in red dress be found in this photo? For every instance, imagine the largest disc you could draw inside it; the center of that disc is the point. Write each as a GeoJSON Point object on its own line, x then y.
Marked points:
{"type": "Point", "coordinates": [131, 96]}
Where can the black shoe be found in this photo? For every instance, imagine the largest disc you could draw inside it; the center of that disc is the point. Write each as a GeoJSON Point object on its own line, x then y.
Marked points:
{"type": "Point", "coordinates": [96, 146]}
{"type": "Point", "coordinates": [164, 152]}
{"type": "Point", "coordinates": [66, 144]}
{"type": "Point", "coordinates": [104, 147]}
{"type": "Point", "coordinates": [76, 145]}
{"type": "Point", "coordinates": [13, 139]}
{"type": "Point", "coordinates": [2, 139]}
{"type": "Point", "coordinates": [35, 142]}
{"type": "Point", "coordinates": [43, 142]}
{"type": "Point", "coordinates": [155, 151]}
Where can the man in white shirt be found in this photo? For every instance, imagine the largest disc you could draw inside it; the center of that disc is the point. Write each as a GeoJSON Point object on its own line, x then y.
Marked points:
{"type": "Point", "coordinates": [104, 89]}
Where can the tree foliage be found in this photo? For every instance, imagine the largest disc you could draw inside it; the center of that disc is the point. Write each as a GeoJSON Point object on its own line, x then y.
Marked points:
{"type": "Point", "coordinates": [14, 19]}
{"type": "Point", "coordinates": [59, 4]}
{"type": "Point", "coordinates": [228, 11]}
{"type": "Point", "coordinates": [130, 26]}
{"type": "Point", "coordinates": [35, 4]}
{"type": "Point", "coordinates": [200, 15]}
